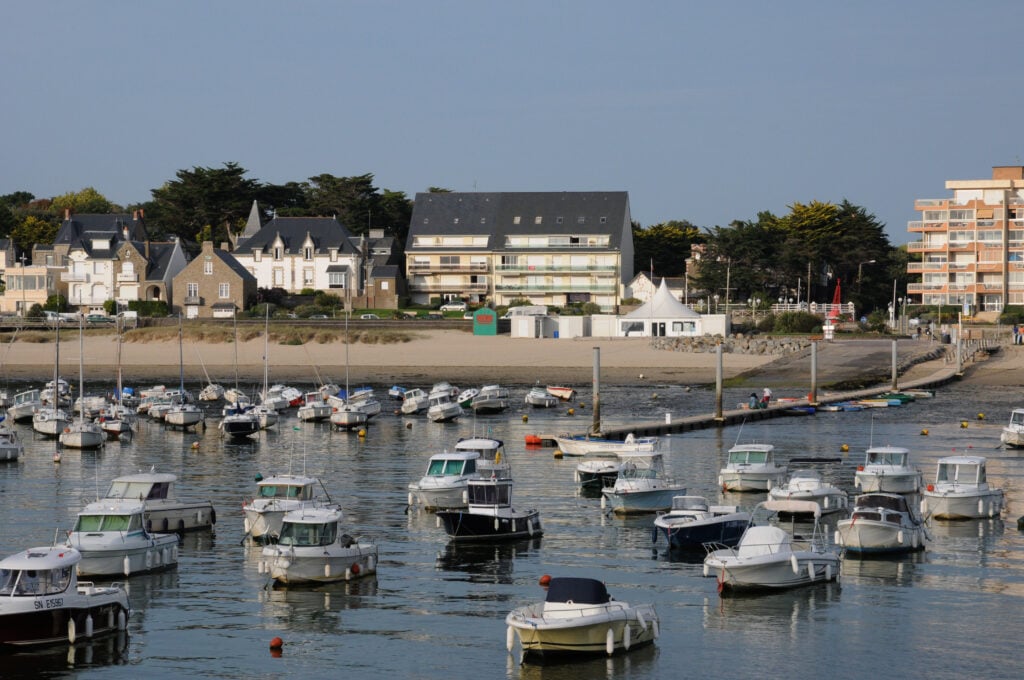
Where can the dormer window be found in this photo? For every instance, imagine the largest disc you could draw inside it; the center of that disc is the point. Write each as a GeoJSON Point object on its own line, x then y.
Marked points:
{"type": "Point", "coordinates": [278, 252]}
{"type": "Point", "coordinates": [307, 253]}
{"type": "Point", "coordinates": [256, 255]}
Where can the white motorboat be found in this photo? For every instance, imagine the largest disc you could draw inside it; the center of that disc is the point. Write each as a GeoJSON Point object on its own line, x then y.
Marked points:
{"type": "Point", "coordinates": [265, 416]}
{"type": "Point", "coordinates": [444, 484]}
{"type": "Point", "coordinates": [49, 421]}
{"type": "Point", "coordinates": [116, 420]}
{"type": "Point", "coordinates": [489, 515]}
{"type": "Point", "coordinates": [578, 616]}
{"type": "Point", "coordinates": [362, 400]}
{"type": "Point", "coordinates": [441, 408]}
{"type": "Point", "coordinates": [43, 602]}
{"type": "Point", "coordinates": [89, 405]}
{"type": "Point", "coordinates": [24, 405]}
{"type": "Point", "coordinates": [240, 423]}
{"type": "Point", "coordinates": [887, 468]}
{"type": "Point", "coordinates": [692, 523]}
{"type": "Point", "coordinates": [961, 490]}
{"type": "Point", "coordinates": [881, 523]}
{"type": "Point", "coordinates": [280, 397]}
{"type": "Point", "coordinates": [807, 485]}
{"type": "Point", "coordinates": [751, 467]}
{"type": "Point", "coordinates": [275, 496]}
{"type": "Point", "coordinates": [60, 395]}
{"type": "Point", "coordinates": [1012, 435]}
{"type": "Point", "coordinates": [415, 401]}
{"type": "Point", "coordinates": [598, 470]}
{"type": "Point", "coordinates": [641, 486]}
{"type": "Point", "coordinates": [561, 392]}
{"type": "Point", "coordinates": [538, 397]}
{"type": "Point", "coordinates": [396, 392]}
{"type": "Point", "coordinates": [163, 510]}
{"type": "Point", "coordinates": [770, 558]}
{"type": "Point", "coordinates": [446, 387]}
{"type": "Point", "coordinates": [11, 447]}
{"type": "Point", "coordinates": [466, 397]}
{"type": "Point", "coordinates": [314, 408]}
{"type": "Point", "coordinates": [112, 537]}
{"type": "Point", "coordinates": [347, 417]}
{"type": "Point", "coordinates": [490, 399]}
{"type": "Point", "coordinates": [581, 445]}
{"type": "Point", "coordinates": [313, 549]}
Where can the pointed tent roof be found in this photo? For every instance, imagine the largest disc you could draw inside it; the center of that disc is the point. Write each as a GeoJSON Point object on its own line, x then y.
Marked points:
{"type": "Point", "coordinates": [663, 305]}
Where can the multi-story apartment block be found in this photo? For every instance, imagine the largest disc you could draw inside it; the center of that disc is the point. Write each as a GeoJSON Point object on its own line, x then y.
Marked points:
{"type": "Point", "coordinates": [972, 245]}
{"type": "Point", "coordinates": [552, 248]}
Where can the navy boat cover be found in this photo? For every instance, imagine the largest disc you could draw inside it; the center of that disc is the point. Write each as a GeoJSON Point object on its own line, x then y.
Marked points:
{"type": "Point", "coordinates": [579, 590]}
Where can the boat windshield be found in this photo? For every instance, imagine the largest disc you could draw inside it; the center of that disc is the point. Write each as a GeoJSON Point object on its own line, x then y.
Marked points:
{"type": "Point", "coordinates": [88, 523]}
{"type": "Point", "coordinates": [303, 493]}
{"type": "Point", "coordinates": [35, 582]}
{"type": "Point", "coordinates": [748, 457]}
{"type": "Point", "coordinates": [895, 503]}
{"type": "Point", "coordinates": [689, 503]}
{"type": "Point", "coordinates": [490, 494]}
{"type": "Point", "coordinates": [966, 473]}
{"type": "Point", "coordinates": [895, 458]}
{"type": "Point", "coordinates": [140, 490]}
{"type": "Point", "coordinates": [1016, 418]}
{"type": "Point", "coordinates": [308, 535]}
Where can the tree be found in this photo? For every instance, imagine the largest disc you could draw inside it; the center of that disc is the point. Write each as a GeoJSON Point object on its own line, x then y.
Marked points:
{"type": "Point", "coordinates": [664, 247]}
{"type": "Point", "coordinates": [216, 197]}
{"type": "Point", "coordinates": [88, 200]}
{"type": "Point", "coordinates": [33, 230]}
{"type": "Point", "coordinates": [350, 199]}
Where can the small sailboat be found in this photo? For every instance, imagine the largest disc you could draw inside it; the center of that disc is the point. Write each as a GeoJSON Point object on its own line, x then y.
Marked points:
{"type": "Point", "coordinates": [347, 416]}
{"type": "Point", "coordinates": [239, 422]}
{"type": "Point", "coordinates": [183, 414]}
{"type": "Point", "coordinates": [117, 419]}
{"type": "Point", "coordinates": [82, 433]}
{"type": "Point", "coordinates": [50, 419]}
{"type": "Point", "coordinates": [211, 391]}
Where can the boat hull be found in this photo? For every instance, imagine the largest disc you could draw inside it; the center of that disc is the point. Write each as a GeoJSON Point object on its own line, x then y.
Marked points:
{"type": "Point", "coordinates": [961, 506]}
{"type": "Point", "coordinates": [641, 502]}
{"type": "Point", "coordinates": [320, 564]}
{"type": "Point", "coordinates": [447, 497]}
{"type": "Point", "coordinates": [894, 482]}
{"type": "Point", "coordinates": [732, 480]}
{"type": "Point", "coordinates": [461, 525]}
{"type": "Point", "coordinates": [83, 437]}
{"type": "Point", "coordinates": [158, 553]}
{"type": "Point", "coordinates": [87, 613]}
{"type": "Point", "coordinates": [179, 517]}
{"type": "Point", "coordinates": [727, 531]}
{"type": "Point", "coordinates": [1012, 437]}
{"type": "Point", "coordinates": [604, 633]}
{"type": "Point", "coordinates": [863, 536]}
{"type": "Point", "coordinates": [772, 572]}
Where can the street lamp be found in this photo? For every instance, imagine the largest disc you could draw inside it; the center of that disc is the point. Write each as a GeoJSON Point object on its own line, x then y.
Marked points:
{"type": "Point", "coordinates": [860, 271]}
{"type": "Point", "coordinates": [754, 302]}
{"type": "Point", "coordinates": [715, 298]}
{"type": "Point", "coordinates": [903, 313]}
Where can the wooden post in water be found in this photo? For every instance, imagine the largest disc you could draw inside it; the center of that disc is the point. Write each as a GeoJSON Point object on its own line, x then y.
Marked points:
{"type": "Point", "coordinates": [718, 383]}
{"type": "Point", "coordinates": [959, 355]}
{"type": "Point", "coordinates": [595, 428]}
{"type": "Point", "coordinates": [895, 375]}
{"type": "Point", "coordinates": [812, 398]}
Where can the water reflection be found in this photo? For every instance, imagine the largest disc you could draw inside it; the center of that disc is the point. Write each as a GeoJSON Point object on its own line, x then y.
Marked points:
{"type": "Point", "coordinates": [485, 563]}
{"type": "Point", "coordinates": [315, 609]}
{"type": "Point", "coordinates": [763, 613]}
{"type": "Point", "coordinates": [637, 663]}
{"type": "Point", "coordinates": [54, 660]}
{"type": "Point", "coordinates": [895, 570]}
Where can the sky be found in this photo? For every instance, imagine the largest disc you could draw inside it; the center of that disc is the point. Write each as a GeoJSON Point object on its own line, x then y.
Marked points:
{"type": "Point", "coordinates": [702, 111]}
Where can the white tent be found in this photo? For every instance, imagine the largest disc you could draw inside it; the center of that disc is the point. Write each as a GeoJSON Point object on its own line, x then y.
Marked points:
{"type": "Point", "coordinates": [662, 315]}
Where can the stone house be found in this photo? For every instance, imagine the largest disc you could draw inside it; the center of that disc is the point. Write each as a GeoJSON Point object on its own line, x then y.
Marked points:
{"type": "Point", "coordinates": [213, 285]}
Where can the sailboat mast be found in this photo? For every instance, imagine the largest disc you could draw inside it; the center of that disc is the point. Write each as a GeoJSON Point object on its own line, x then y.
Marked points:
{"type": "Point", "coordinates": [266, 351]}
{"type": "Point", "coordinates": [181, 357]}
{"type": "Point", "coordinates": [81, 370]}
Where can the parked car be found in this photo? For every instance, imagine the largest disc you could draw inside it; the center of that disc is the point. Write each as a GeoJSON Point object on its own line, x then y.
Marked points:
{"type": "Point", "coordinates": [317, 316]}
{"type": "Point", "coordinates": [453, 306]}
{"type": "Point", "coordinates": [369, 316]}
{"type": "Point", "coordinates": [98, 318]}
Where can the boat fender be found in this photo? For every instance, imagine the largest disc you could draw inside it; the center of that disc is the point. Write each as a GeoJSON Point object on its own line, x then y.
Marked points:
{"type": "Point", "coordinates": [640, 619]}
{"type": "Point", "coordinates": [657, 632]}
{"type": "Point", "coordinates": [110, 619]}
{"type": "Point", "coordinates": [510, 638]}
{"type": "Point", "coordinates": [127, 568]}
{"type": "Point", "coordinates": [826, 502]}
{"type": "Point", "coordinates": [437, 520]}
{"type": "Point", "coordinates": [981, 506]}
{"type": "Point", "coordinates": [348, 574]}
{"type": "Point", "coordinates": [213, 516]}
{"type": "Point", "coordinates": [496, 525]}
{"type": "Point", "coordinates": [260, 566]}
{"type": "Point", "coordinates": [529, 526]}
{"type": "Point", "coordinates": [465, 497]}
{"type": "Point", "coordinates": [924, 506]}
{"type": "Point", "coordinates": [371, 563]}
{"type": "Point", "coordinates": [769, 486]}
{"type": "Point", "coordinates": [72, 634]}
{"type": "Point", "coordinates": [913, 540]}
{"type": "Point", "coordinates": [828, 572]}
{"type": "Point", "coordinates": [795, 564]}
{"type": "Point", "coordinates": [626, 637]}
{"type": "Point", "coordinates": [149, 559]}
{"type": "Point", "coordinates": [88, 625]}
{"type": "Point", "coordinates": [157, 556]}
{"type": "Point", "coordinates": [122, 620]}
{"type": "Point", "coordinates": [812, 573]}
{"type": "Point", "coordinates": [899, 537]}
{"type": "Point", "coordinates": [409, 499]}
{"type": "Point", "coordinates": [609, 642]}
{"type": "Point", "coordinates": [604, 501]}
{"type": "Point", "coordinates": [707, 570]}
{"type": "Point", "coordinates": [327, 570]}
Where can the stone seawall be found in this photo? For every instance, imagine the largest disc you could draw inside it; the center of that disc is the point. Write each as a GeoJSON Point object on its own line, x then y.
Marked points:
{"type": "Point", "coordinates": [762, 345]}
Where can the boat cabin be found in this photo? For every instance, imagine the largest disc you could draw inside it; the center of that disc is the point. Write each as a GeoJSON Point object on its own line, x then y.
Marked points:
{"type": "Point", "coordinates": [38, 571]}
{"type": "Point", "coordinates": [308, 530]}
{"type": "Point", "coordinates": [577, 590]}
{"type": "Point", "coordinates": [117, 516]}
{"type": "Point", "coordinates": [892, 456]}
{"type": "Point", "coordinates": [452, 464]}
{"type": "Point", "coordinates": [751, 454]}
{"type": "Point", "coordinates": [881, 507]}
{"type": "Point", "coordinates": [291, 490]}
{"type": "Point", "coordinates": [964, 470]}
{"type": "Point", "coordinates": [144, 487]}
{"type": "Point", "coordinates": [1016, 418]}
{"type": "Point", "coordinates": [490, 492]}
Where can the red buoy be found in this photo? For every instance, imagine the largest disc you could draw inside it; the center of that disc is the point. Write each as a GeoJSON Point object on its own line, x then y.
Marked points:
{"type": "Point", "coordinates": [545, 581]}
{"type": "Point", "coordinates": [276, 643]}
{"type": "Point", "coordinates": [355, 569]}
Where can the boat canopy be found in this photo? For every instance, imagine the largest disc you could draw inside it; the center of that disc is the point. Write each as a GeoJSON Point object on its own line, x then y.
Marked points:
{"type": "Point", "coordinates": [963, 469]}
{"type": "Point", "coordinates": [887, 455]}
{"type": "Point", "coordinates": [793, 507]}
{"type": "Point", "coordinates": [690, 503]}
{"type": "Point", "coordinates": [577, 590]}
{"type": "Point", "coordinates": [142, 486]}
{"type": "Point", "coordinates": [888, 501]}
{"type": "Point", "coordinates": [448, 466]}
{"type": "Point", "coordinates": [38, 571]}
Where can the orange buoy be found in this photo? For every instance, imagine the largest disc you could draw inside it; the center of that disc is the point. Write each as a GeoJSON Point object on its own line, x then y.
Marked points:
{"type": "Point", "coordinates": [355, 569]}
{"type": "Point", "coordinates": [545, 581]}
{"type": "Point", "coordinates": [276, 643]}
{"type": "Point", "coordinates": [931, 487]}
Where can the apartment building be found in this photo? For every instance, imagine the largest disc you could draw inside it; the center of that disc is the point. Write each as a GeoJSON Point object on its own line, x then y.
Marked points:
{"type": "Point", "coordinates": [971, 244]}
{"type": "Point", "coordinates": [553, 248]}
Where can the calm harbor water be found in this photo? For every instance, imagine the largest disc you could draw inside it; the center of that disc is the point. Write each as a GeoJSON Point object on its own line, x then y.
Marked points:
{"type": "Point", "coordinates": [437, 610]}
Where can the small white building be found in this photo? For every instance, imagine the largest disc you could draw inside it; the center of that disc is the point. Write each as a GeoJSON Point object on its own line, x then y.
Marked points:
{"type": "Point", "coordinates": [664, 315]}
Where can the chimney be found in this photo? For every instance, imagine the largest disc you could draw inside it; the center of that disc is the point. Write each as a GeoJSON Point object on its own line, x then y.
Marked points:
{"type": "Point", "coordinates": [135, 215]}
{"type": "Point", "coordinates": [67, 214]}
{"type": "Point", "coordinates": [225, 246]}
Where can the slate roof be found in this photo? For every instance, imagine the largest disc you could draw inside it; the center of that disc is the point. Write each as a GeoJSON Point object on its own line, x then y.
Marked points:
{"type": "Point", "coordinates": [159, 259]}
{"type": "Point", "coordinates": [235, 266]}
{"type": "Point", "coordinates": [385, 271]}
{"type": "Point", "coordinates": [326, 232]}
{"type": "Point", "coordinates": [82, 230]}
{"type": "Point", "coordinates": [561, 213]}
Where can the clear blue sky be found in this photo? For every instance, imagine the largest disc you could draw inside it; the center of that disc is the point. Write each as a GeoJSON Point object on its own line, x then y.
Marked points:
{"type": "Point", "coordinates": [703, 111]}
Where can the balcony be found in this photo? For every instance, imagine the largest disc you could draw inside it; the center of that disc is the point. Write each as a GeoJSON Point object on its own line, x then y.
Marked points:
{"type": "Point", "coordinates": [931, 203]}
{"type": "Point", "coordinates": [924, 287]}
{"type": "Point", "coordinates": [73, 277]}
{"type": "Point", "coordinates": [913, 267]}
{"type": "Point", "coordinates": [438, 286]}
{"type": "Point", "coordinates": [127, 278]}
{"type": "Point", "coordinates": [193, 300]}
{"type": "Point", "coordinates": [577, 288]}
{"type": "Point", "coordinates": [925, 246]}
{"type": "Point", "coordinates": [926, 226]}
{"type": "Point", "coordinates": [989, 266]}
{"type": "Point", "coordinates": [556, 268]}
{"type": "Point", "coordinates": [429, 267]}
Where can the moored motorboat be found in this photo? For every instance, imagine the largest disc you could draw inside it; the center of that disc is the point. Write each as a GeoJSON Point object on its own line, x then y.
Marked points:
{"type": "Point", "coordinates": [24, 405]}
{"type": "Point", "coordinates": [313, 549]}
{"type": "Point", "coordinates": [579, 617]}
{"type": "Point", "coordinates": [466, 396]}
{"type": "Point", "coordinates": [561, 392]}
{"type": "Point", "coordinates": [751, 467]}
{"type": "Point", "coordinates": [444, 484]}
{"type": "Point", "coordinates": [881, 523]}
{"type": "Point", "coordinates": [807, 485]}
{"type": "Point", "coordinates": [275, 496]}
{"type": "Point", "coordinates": [692, 523]}
{"type": "Point", "coordinates": [415, 401]}
{"type": "Point", "coordinates": [598, 470]}
{"type": "Point", "coordinates": [538, 397]}
{"type": "Point", "coordinates": [580, 445]}
{"type": "Point", "coordinates": [1012, 434]}
{"type": "Point", "coordinates": [441, 408]}
{"type": "Point", "coordinates": [43, 602]}
{"type": "Point", "coordinates": [163, 510]}
{"type": "Point", "coordinates": [242, 422]}
{"type": "Point", "coordinates": [11, 447]}
{"type": "Point", "coordinates": [961, 490]}
{"type": "Point", "coordinates": [112, 537]}
{"type": "Point", "coordinates": [641, 486]}
{"type": "Point", "coordinates": [887, 468]}
{"type": "Point", "coordinates": [489, 515]}
{"type": "Point", "coordinates": [770, 558]}
{"type": "Point", "coordinates": [490, 399]}
{"type": "Point", "coordinates": [314, 408]}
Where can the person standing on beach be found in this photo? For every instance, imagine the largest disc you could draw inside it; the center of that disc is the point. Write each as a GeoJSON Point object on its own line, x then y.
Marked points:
{"type": "Point", "coordinates": [766, 397]}
{"type": "Point", "coordinates": [1016, 334]}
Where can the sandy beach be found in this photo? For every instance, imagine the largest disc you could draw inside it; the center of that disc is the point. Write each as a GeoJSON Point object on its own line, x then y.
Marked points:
{"type": "Point", "coordinates": [431, 355]}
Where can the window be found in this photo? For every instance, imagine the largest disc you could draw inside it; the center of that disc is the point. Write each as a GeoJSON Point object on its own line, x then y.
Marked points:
{"type": "Point", "coordinates": [603, 220]}
{"type": "Point", "coordinates": [336, 279]}
{"type": "Point", "coordinates": [256, 255]}
{"type": "Point", "coordinates": [455, 221]}
{"type": "Point", "coordinates": [191, 289]}
{"type": "Point", "coordinates": [558, 220]}
{"type": "Point", "coordinates": [307, 278]}
{"type": "Point", "coordinates": [278, 277]}
{"type": "Point", "coordinates": [515, 220]}
{"type": "Point", "coordinates": [385, 285]}
{"type": "Point", "coordinates": [278, 252]}
{"type": "Point", "coordinates": [307, 253]}
{"type": "Point", "coordinates": [208, 267]}
{"type": "Point", "coordinates": [538, 220]}
{"type": "Point", "coordinates": [581, 220]}
{"type": "Point", "coordinates": [224, 291]}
